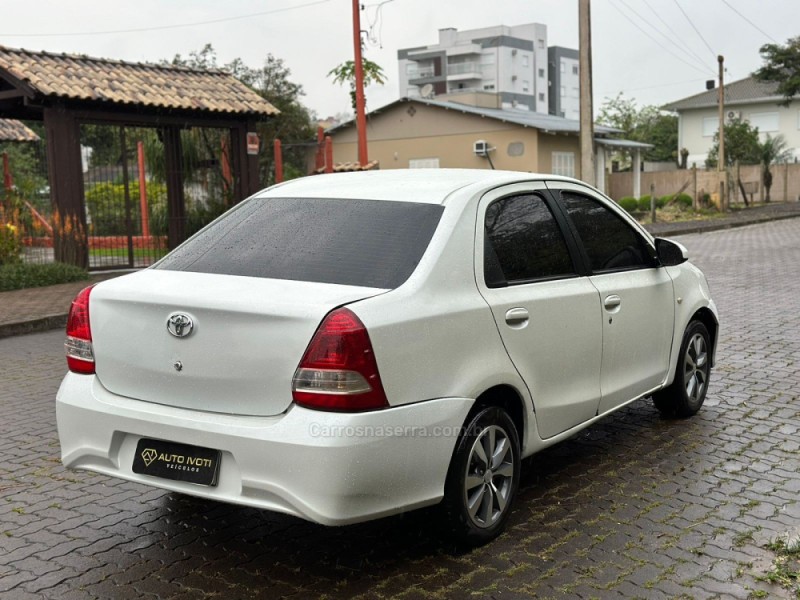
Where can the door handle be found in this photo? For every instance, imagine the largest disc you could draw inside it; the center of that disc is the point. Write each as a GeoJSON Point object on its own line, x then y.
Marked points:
{"type": "Point", "coordinates": [517, 318]}
{"type": "Point", "coordinates": [612, 302]}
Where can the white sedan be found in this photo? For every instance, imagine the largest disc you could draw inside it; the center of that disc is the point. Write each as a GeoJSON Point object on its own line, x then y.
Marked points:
{"type": "Point", "coordinates": [351, 346]}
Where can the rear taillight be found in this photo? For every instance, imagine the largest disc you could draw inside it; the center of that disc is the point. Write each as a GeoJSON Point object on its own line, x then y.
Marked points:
{"type": "Point", "coordinates": [338, 371]}
{"type": "Point", "coordinates": [80, 354]}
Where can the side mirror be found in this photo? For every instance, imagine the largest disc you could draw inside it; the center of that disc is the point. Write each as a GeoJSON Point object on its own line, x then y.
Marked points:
{"type": "Point", "coordinates": [671, 253]}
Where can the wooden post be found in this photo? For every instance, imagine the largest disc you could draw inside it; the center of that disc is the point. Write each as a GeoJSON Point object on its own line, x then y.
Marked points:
{"type": "Point", "coordinates": [652, 202]}
{"type": "Point", "coordinates": [328, 154]}
{"type": "Point", "coordinates": [695, 199]}
{"type": "Point", "coordinates": [738, 174]}
{"type": "Point", "coordinates": [176, 204]}
{"type": "Point", "coordinates": [276, 149]}
{"type": "Point", "coordinates": [761, 190]}
{"type": "Point", "coordinates": [786, 182]}
{"type": "Point", "coordinates": [65, 174]}
{"type": "Point", "coordinates": [721, 103]}
{"type": "Point", "coordinates": [145, 215]}
{"type": "Point", "coordinates": [123, 144]}
{"type": "Point", "coordinates": [361, 117]}
{"type": "Point", "coordinates": [320, 155]}
{"type": "Point", "coordinates": [245, 165]}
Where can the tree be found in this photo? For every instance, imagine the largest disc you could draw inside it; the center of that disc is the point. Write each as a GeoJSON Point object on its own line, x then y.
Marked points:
{"type": "Point", "coordinates": [295, 124]}
{"type": "Point", "coordinates": [773, 151]}
{"type": "Point", "coordinates": [346, 73]}
{"type": "Point", "coordinates": [647, 124]}
{"type": "Point", "coordinates": [782, 66]}
{"type": "Point", "coordinates": [741, 145]}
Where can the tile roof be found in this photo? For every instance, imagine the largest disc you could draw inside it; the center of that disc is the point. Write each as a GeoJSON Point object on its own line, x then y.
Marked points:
{"type": "Point", "coordinates": [348, 167]}
{"type": "Point", "coordinates": [73, 77]}
{"type": "Point", "coordinates": [525, 118]}
{"type": "Point", "coordinates": [12, 130]}
{"type": "Point", "coordinates": [744, 91]}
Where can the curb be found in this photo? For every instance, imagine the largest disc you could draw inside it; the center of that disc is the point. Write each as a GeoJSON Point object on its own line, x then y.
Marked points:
{"type": "Point", "coordinates": [36, 325]}
{"type": "Point", "coordinates": [719, 226]}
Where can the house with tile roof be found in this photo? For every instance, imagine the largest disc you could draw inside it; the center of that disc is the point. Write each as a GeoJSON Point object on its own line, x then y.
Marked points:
{"type": "Point", "coordinates": [750, 100]}
{"type": "Point", "coordinates": [421, 133]}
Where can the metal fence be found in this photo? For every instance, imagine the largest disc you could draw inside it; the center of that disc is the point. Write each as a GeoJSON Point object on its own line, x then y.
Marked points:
{"type": "Point", "coordinates": [124, 191]}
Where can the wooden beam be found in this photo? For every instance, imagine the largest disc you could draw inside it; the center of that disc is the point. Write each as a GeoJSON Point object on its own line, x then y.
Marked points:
{"type": "Point", "coordinates": [65, 173]}
{"type": "Point", "coordinates": [176, 204]}
{"type": "Point", "coordinates": [4, 95]}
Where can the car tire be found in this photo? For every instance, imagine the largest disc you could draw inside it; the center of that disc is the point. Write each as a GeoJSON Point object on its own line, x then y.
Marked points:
{"type": "Point", "coordinates": [684, 397]}
{"type": "Point", "coordinates": [479, 492]}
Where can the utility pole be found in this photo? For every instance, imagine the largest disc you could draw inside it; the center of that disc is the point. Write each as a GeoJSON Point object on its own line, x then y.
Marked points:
{"type": "Point", "coordinates": [361, 117]}
{"type": "Point", "coordinates": [721, 158]}
{"type": "Point", "coordinates": [585, 66]}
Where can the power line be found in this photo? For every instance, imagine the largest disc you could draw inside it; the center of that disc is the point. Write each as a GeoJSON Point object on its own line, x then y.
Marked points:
{"type": "Point", "coordinates": [696, 30]}
{"type": "Point", "coordinates": [749, 21]}
{"type": "Point", "coordinates": [658, 31]}
{"type": "Point", "coordinates": [163, 27]}
{"type": "Point", "coordinates": [665, 48]}
{"type": "Point", "coordinates": [676, 36]}
{"type": "Point", "coordinates": [652, 87]}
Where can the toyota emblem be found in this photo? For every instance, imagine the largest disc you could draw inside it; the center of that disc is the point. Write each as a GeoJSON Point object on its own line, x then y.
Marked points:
{"type": "Point", "coordinates": [180, 325]}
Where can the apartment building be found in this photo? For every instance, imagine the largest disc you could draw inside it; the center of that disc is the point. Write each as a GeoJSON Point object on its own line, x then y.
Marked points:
{"type": "Point", "coordinates": [510, 62]}
{"type": "Point", "coordinates": [564, 77]}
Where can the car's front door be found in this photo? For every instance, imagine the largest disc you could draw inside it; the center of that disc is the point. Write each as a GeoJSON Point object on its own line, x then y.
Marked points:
{"type": "Point", "coordinates": [547, 314]}
{"type": "Point", "coordinates": [636, 297]}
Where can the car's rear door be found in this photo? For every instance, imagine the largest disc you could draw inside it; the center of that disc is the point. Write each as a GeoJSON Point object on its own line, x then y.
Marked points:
{"type": "Point", "coordinates": [547, 313]}
{"type": "Point", "coordinates": [636, 295]}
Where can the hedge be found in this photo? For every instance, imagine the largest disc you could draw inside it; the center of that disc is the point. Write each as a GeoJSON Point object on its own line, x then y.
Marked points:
{"type": "Point", "coordinates": [23, 275]}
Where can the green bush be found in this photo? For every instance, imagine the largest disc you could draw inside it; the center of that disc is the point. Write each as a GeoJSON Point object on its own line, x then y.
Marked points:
{"type": "Point", "coordinates": [629, 203]}
{"type": "Point", "coordinates": [663, 201]}
{"type": "Point", "coordinates": [685, 200]}
{"type": "Point", "coordinates": [23, 275]}
{"type": "Point", "coordinates": [10, 244]}
{"type": "Point", "coordinates": [106, 206]}
{"type": "Point", "coordinates": [644, 203]}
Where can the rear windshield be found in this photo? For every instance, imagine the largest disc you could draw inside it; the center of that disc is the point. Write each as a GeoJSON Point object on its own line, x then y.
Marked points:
{"type": "Point", "coordinates": [370, 243]}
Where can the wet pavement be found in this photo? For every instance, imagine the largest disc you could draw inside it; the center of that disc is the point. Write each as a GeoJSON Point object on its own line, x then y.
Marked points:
{"type": "Point", "coordinates": [635, 507]}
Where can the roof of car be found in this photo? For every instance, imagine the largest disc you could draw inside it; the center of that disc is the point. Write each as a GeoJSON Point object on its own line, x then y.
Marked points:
{"type": "Point", "coordinates": [430, 186]}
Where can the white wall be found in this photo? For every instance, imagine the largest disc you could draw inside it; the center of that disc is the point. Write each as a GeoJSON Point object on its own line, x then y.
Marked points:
{"type": "Point", "coordinates": [691, 127]}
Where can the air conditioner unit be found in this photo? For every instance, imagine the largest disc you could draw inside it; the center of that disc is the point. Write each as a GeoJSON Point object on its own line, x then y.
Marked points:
{"type": "Point", "coordinates": [733, 114]}
{"type": "Point", "coordinates": [513, 78]}
{"type": "Point", "coordinates": [480, 148]}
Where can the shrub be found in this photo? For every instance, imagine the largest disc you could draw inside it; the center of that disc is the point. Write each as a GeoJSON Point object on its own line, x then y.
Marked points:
{"type": "Point", "coordinates": [10, 244]}
{"type": "Point", "coordinates": [644, 203]}
{"type": "Point", "coordinates": [629, 203]}
{"type": "Point", "coordinates": [685, 200]}
{"type": "Point", "coordinates": [663, 201]}
{"type": "Point", "coordinates": [106, 206]}
{"type": "Point", "coordinates": [23, 275]}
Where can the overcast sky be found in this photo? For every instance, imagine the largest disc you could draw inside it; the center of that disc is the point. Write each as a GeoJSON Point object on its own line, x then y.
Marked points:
{"type": "Point", "coordinates": [646, 49]}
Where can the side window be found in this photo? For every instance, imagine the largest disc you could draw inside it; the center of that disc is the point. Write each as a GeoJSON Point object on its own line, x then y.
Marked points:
{"type": "Point", "coordinates": [523, 242]}
{"type": "Point", "coordinates": [610, 243]}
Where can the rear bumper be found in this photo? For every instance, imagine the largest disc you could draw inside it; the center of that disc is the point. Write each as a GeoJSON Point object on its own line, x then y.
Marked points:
{"type": "Point", "coordinates": [331, 468]}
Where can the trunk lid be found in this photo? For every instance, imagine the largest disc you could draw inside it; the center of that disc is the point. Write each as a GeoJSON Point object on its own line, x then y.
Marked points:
{"type": "Point", "coordinates": [247, 337]}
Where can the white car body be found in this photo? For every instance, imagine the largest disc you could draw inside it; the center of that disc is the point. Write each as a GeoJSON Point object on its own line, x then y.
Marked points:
{"type": "Point", "coordinates": [440, 339]}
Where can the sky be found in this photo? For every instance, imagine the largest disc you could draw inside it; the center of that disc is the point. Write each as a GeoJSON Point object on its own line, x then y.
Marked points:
{"type": "Point", "coordinates": [654, 51]}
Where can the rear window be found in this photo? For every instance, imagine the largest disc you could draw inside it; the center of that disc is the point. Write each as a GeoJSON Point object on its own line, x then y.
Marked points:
{"type": "Point", "coordinates": [370, 243]}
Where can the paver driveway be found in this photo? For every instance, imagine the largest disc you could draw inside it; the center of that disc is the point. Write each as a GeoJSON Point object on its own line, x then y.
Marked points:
{"type": "Point", "coordinates": [635, 506]}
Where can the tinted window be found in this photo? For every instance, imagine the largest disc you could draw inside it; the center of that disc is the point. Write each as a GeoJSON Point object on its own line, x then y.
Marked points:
{"type": "Point", "coordinates": [610, 243]}
{"type": "Point", "coordinates": [523, 242]}
{"type": "Point", "coordinates": [368, 243]}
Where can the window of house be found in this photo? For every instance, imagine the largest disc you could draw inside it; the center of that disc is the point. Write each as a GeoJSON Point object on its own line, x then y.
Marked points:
{"type": "Point", "coordinates": [541, 97]}
{"type": "Point", "coordinates": [489, 87]}
{"type": "Point", "coordinates": [411, 68]}
{"type": "Point", "coordinates": [541, 44]}
{"type": "Point", "coordinates": [541, 72]}
{"type": "Point", "coordinates": [610, 243]}
{"type": "Point", "coordinates": [525, 60]}
{"type": "Point", "coordinates": [710, 126]}
{"type": "Point", "coordinates": [563, 67]}
{"type": "Point", "coordinates": [574, 69]}
{"type": "Point", "coordinates": [576, 92]}
{"type": "Point", "coordinates": [423, 163]}
{"type": "Point", "coordinates": [563, 91]}
{"type": "Point", "coordinates": [767, 122]}
{"type": "Point", "coordinates": [526, 85]}
{"type": "Point", "coordinates": [563, 164]}
{"type": "Point", "coordinates": [523, 242]}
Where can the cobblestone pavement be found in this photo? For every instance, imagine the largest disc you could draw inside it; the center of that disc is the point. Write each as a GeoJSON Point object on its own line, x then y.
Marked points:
{"type": "Point", "coordinates": [636, 506]}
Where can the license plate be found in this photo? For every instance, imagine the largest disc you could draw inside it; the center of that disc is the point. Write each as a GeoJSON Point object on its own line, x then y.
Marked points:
{"type": "Point", "coordinates": [180, 462]}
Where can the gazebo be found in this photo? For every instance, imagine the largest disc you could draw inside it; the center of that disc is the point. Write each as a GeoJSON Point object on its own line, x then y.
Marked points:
{"type": "Point", "coordinates": [65, 91]}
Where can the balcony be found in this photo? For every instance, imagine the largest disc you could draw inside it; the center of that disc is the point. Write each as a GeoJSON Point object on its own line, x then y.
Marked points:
{"type": "Point", "coordinates": [462, 71]}
{"type": "Point", "coordinates": [420, 75]}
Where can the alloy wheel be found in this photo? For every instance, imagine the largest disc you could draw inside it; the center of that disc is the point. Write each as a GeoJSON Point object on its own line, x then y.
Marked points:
{"type": "Point", "coordinates": [489, 477]}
